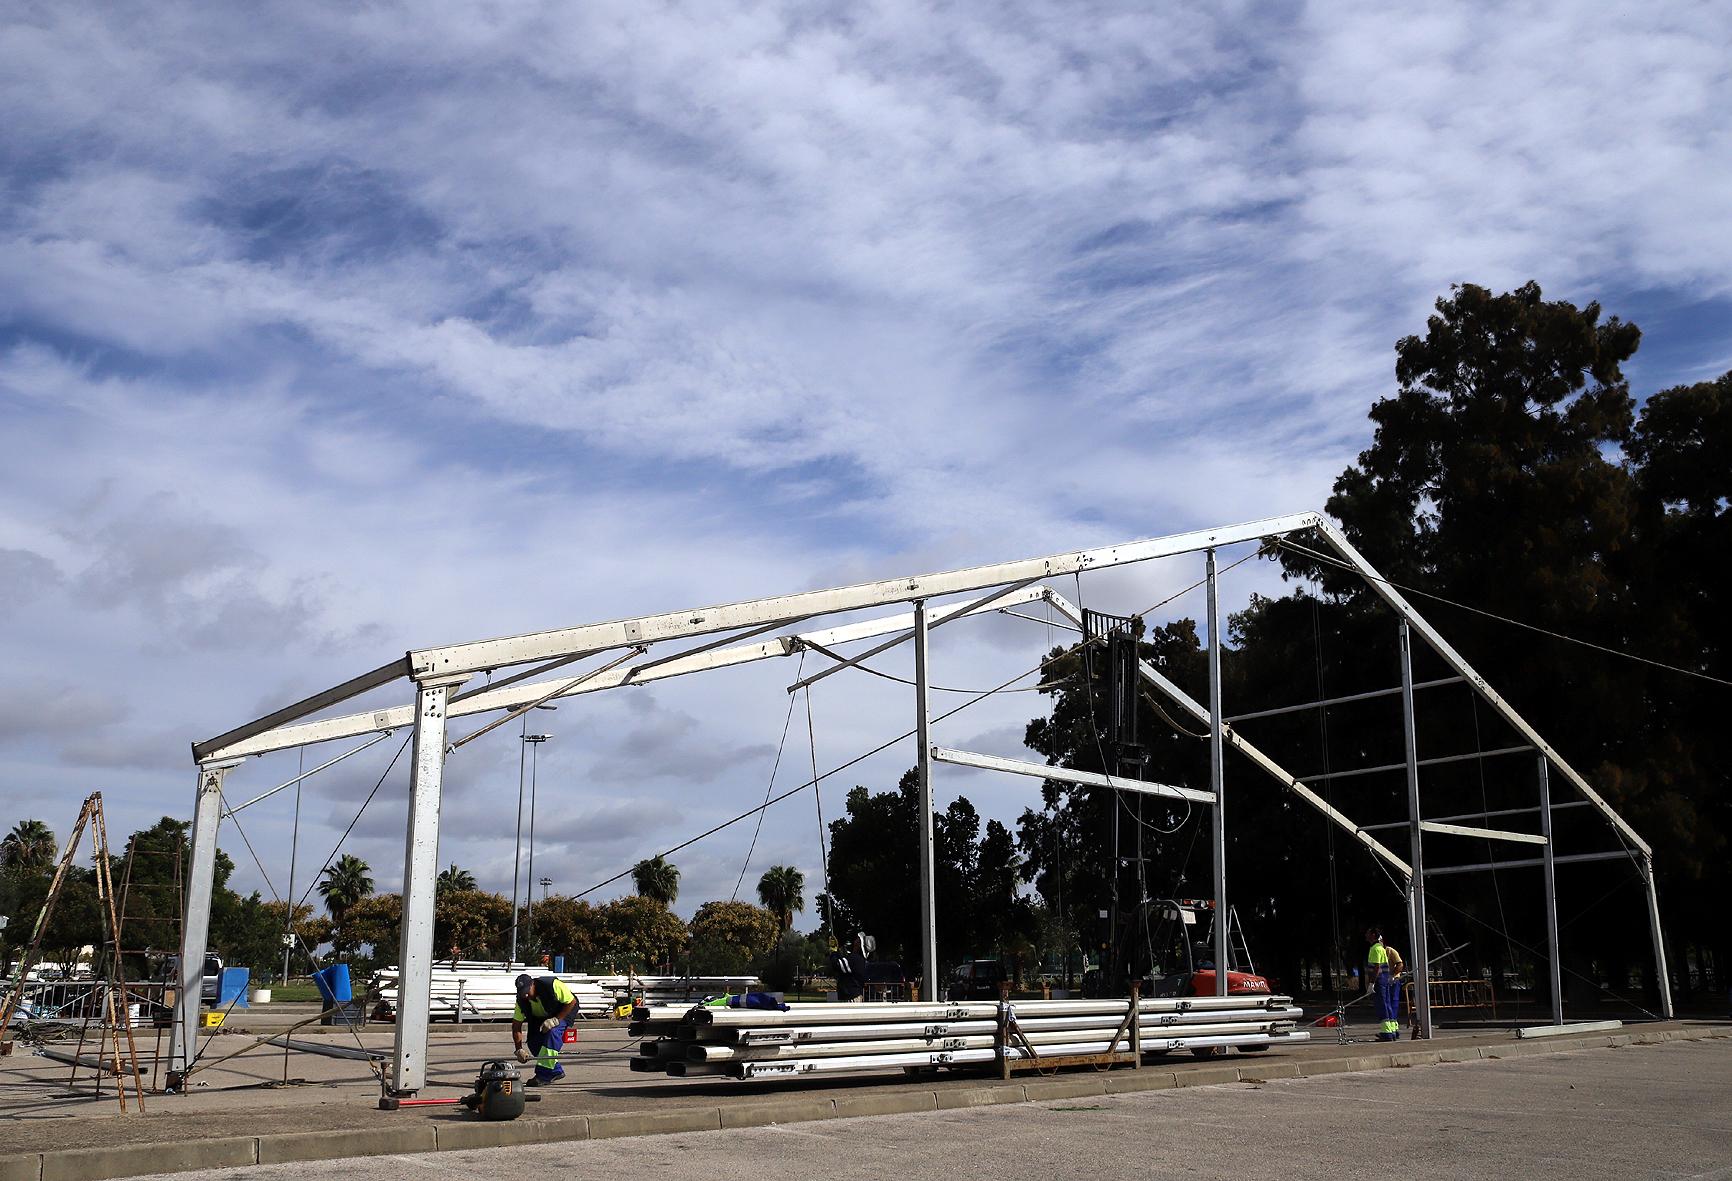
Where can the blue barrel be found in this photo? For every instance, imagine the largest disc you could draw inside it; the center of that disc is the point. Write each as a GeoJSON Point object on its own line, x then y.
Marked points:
{"type": "Point", "coordinates": [333, 985]}
{"type": "Point", "coordinates": [558, 965]}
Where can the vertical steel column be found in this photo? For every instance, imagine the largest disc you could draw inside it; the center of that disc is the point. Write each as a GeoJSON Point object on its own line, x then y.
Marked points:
{"type": "Point", "coordinates": [928, 873]}
{"type": "Point", "coordinates": [1416, 921]}
{"type": "Point", "coordinates": [1557, 967]}
{"type": "Point", "coordinates": [1662, 977]}
{"type": "Point", "coordinates": [420, 874]}
{"type": "Point", "coordinates": [195, 921]}
{"type": "Point", "coordinates": [1217, 779]}
{"type": "Point", "coordinates": [517, 847]}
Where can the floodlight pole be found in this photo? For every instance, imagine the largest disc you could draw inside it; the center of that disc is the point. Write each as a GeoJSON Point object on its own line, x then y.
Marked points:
{"type": "Point", "coordinates": [420, 878]}
{"type": "Point", "coordinates": [1416, 921]}
{"type": "Point", "coordinates": [1556, 970]}
{"type": "Point", "coordinates": [195, 921]}
{"type": "Point", "coordinates": [1217, 782]}
{"type": "Point", "coordinates": [928, 873]}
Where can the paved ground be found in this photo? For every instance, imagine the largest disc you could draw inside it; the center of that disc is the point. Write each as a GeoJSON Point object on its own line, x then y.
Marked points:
{"type": "Point", "coordinates": [246, 1095]}
{"type": "Point", "coordinates": [40, 1112]}
{"type": "Point", "coordinates": [1635, 1111]}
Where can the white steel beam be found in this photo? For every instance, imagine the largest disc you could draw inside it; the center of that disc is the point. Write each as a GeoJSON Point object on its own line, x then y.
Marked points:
{"type": "Point", "coordinates": [928, 857]}
{"type": "Point", "coordinates": [195, 923]}
{"type": "Point", "coordinates": [966, 758]}
{"type": "Point", "coordinates": [1555, 967]}
{"type": "Point", "coordinates": [485, 700]}
{"type": "Point", "coordinates": [1417, 937]}
{"type": "Point", "coordinates": [1487, 834]}
{"type": "Point", "coordinates": [211, 749]}
{"type": "Point", "coordinates": [1455, 660]}
{"type": "Point", "coordinates": [420, 874]}
{"type": "Point", "coordinates": [1217, 783]}
{"type": "Point", "coordinates": [486, 654]}
{"type": "Point", "coordinates": [1535, 863]}
{"type": "Point", "coordinates": [1238, 742]}
{"type": "Point", "coordinates": [894, 641]}
{"type": "Point", "coordinates": [1662, 976]}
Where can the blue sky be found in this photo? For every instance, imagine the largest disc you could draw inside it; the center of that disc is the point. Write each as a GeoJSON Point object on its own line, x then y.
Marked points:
{"type": "Point", "coordinates": [326, 332]}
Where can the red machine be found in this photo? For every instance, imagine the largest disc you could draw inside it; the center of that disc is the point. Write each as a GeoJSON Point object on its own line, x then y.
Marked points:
{"type": "Point", "coordinates": [1182, 942]}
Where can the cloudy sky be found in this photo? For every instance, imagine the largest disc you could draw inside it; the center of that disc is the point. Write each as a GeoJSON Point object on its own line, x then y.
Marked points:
{"type": "Point", "coordinates": [328, 331]}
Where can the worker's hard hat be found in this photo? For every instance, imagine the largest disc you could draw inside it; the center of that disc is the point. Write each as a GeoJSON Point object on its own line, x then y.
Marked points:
{"type": "Point", "coordinates": [525, 982]}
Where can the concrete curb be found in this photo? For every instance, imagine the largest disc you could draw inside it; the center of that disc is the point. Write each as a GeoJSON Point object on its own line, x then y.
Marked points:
{"type": "Point", "coordinates": [97, 1164]}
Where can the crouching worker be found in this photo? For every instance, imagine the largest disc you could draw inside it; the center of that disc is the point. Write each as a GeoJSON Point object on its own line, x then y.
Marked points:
{"type": "Point", "coordinates": [544, 1004]}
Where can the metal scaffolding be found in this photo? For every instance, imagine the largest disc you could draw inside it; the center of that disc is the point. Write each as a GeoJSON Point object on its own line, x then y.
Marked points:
{"type": "Point", "coordinates": [438, 675]}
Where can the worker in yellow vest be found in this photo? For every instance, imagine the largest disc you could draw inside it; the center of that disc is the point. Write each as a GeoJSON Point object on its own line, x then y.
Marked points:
{"type": "Point", "coordinates": [1383, 976]}
{"type": "Point", "coordinates": [544, 1004]}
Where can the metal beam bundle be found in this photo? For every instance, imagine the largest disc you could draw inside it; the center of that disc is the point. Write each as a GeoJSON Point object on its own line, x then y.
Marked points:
{"type": "Point", "coordinates": [833, 1038]}
{"type": "Point", "coordinates": [465, 994]}
{"type": "Point", "coordinates": [480, 991]}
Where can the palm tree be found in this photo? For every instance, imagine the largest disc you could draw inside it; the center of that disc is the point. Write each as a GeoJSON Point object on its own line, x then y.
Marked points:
{"type": "Point", "coordinates": [453, 878]}
{"type": "Point", "coordinates": [658, 878]}
{"type": "Point", "coordinates": [782, 890]}
{"type": "Point", "coordinates": [345, 883]}
{"type": "Point", "coordinates": [30, 845]}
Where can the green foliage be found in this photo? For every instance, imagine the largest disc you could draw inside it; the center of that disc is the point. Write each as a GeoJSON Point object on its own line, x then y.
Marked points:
{"type": "Point", "coordinates": [29, 847]}
{"type": "Point", "coordinates": [374, 922]}
{"type": "Point", "coordinates": [728, 937]}
{"type": "Point", "coordinates": [875, 875]}
{"type": "Point", "coordinates": [476, 923]}
{"type": "Point", "coordinates": [658, 878]}
{"type": "Point", "coordinates": [792, 956]}
{"type": "Point", "coordinates": [453, 878]}
{"type": "Point", "coordinates": [641, 933]}
{"type": "Point", "coordinates": [782, 890]}
{"type": "Point", "coordinates": [563, 926]}
{"type": "Point", "coordinates": [1511, 471]}
{"type": "Point", "coordinates": [344, 882]}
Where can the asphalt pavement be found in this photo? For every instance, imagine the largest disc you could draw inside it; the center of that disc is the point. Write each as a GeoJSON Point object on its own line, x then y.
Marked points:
{"type": "Point", "coordinates": [1630, 1111]}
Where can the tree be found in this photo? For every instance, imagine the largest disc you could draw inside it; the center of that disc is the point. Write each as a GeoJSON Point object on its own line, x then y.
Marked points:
{"type": "Point", "coordinates": [782, 890]}
{"type": "Point", "coordinates": [453, 878]}
{"type": "Point", "coordinates": [376, 922]}
{"type": "Point", "coordinates": [475, 922]}
{"type": "Point", "coordinates": [642, 933]}
{"type": "Point", "coordinates": [657, 878]}
{"type": "Point", "coordinates": [875, 873]}
{"type": "Point", "coordinates": [346, 881]}
{"type": "Point", "coordinates": [30, 846]}
{"type": "Point", "coordinates": [726, 937]}
{"type": "Point", "coordinates": [569, 927]}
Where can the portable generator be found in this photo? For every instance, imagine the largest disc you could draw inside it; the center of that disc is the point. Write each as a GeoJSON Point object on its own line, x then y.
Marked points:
{"type": "Point", "coordinates": [498, 1091]}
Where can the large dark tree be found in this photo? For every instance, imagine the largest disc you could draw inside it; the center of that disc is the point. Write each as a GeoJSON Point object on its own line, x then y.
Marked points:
{"type": "Point", "coordinates": [1509, 472]}
{"type": "Point", "coordinates": [875, 877]}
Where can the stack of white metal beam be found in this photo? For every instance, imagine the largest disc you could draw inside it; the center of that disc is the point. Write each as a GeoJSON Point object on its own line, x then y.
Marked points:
{"type": "Point", "coordinates": [823, 1038]}
{"type": "Point", "coordinates": [668, 990]}
{"type": "Point", "coordinates": [488, 992]}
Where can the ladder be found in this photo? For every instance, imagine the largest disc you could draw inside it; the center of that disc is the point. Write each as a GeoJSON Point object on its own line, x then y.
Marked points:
{"type": "Point", "coordinates": [115, 1015]}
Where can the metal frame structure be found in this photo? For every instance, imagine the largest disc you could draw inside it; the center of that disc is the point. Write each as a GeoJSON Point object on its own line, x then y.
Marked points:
{"type": "Point", "coordinates": [439, 673]}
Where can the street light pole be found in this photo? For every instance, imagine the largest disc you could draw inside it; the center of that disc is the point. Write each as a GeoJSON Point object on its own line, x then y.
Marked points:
{"type": "Point", "coordinates": [546, 884]}
{"type": "Point", "coordinates": [529, 894]}
{"type": "Point", "coordinates": [517, 846]}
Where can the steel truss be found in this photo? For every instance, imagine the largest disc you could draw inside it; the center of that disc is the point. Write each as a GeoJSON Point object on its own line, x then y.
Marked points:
{"type": "Point", "coordinates": [439, 673]}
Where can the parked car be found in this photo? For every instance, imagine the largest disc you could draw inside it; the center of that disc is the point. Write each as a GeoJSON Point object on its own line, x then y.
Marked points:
{"type": "Point", "coordinates": [213, 973]}
{"type": "Point", "coordinates": [976, 980]}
